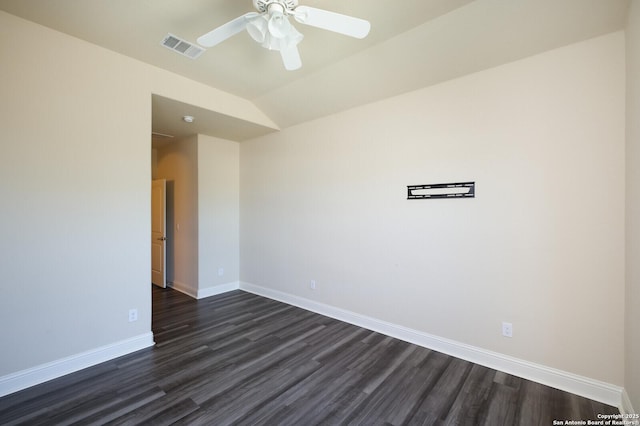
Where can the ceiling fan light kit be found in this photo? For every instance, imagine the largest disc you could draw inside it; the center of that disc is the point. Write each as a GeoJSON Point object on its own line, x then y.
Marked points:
{"type": "Point", "coordinates": [271, 28]}
{"type": "Point", "coordinates": [273, 33]}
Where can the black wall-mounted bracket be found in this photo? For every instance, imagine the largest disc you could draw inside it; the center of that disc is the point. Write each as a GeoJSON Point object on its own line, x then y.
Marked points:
{"type": "Point", "coordinates": [442, 190]}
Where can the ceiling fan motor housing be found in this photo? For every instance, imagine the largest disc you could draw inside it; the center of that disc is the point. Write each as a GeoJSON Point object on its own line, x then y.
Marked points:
{"type": "Point", "coordinates": [263, 5]}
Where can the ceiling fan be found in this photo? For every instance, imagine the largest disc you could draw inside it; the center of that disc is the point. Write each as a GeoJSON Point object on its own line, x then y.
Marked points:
{"type": "Point", "coordinates": [270, 27]}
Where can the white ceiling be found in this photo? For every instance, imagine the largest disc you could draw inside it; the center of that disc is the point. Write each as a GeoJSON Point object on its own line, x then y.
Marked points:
{"type": "Point", "coordinates": [412, 44]}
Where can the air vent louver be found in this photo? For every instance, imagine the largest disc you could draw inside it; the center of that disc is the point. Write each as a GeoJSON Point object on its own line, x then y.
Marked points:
{"type": "Point", "coordinates": [182, 47]}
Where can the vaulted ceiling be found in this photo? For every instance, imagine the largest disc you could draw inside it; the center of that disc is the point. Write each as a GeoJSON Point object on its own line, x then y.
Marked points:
{"type": "Point", "coordinates": [412, 44]}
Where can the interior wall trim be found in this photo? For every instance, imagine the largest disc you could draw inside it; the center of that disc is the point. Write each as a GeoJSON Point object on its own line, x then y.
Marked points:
{"type": "Point", "coordinates": [43, 373]}
{"type": "Point", "coordinates": [626, 407]}
{"type": "Point", "coordinates": [563, 380]}
{"type": "Point", "coordinates": [183, 288]}
{"type": "Point", "coordinates": [218, 289]}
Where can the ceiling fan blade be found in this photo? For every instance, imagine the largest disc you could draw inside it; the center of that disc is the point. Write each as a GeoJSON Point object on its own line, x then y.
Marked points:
{"type": "Point", "coordinates": [291, 58]}
{"type": "Point", "coordinates": [336, 22]}
{"type": "Point", "coordinates": [226, 31]}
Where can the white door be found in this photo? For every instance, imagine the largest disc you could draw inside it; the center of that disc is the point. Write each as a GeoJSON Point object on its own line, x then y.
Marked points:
{"type": "Point", "coordinates": [158, 232]}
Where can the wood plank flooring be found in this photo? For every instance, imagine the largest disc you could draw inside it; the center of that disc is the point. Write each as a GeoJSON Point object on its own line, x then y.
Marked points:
{"type": "Point", "coordinates": [242, 359]}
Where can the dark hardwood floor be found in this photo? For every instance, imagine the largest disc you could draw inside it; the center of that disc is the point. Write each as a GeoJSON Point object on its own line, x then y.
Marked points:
{"type": "Point", "coordinates": [242, 359]}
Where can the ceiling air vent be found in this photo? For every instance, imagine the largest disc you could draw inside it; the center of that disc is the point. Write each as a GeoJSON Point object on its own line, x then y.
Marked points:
{"type": "Point", "coordinates": [182, 47]}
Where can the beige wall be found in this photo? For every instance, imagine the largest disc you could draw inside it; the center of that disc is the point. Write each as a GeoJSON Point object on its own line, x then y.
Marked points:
{"type": "Point", "coordinates": [218, 212]}
{"type": "Point", "coordinates": [203, 213]}
{"type": "Point", "coordinates": [178, 164]}
{"type": "Point", "coordinates": [632, 377]}
{"type": "Point", "coordinates": [74, 179]}
{"type": "Point", "coordinates": [75, 175]}
{"type": "Point", "coordinates": [542, 244]}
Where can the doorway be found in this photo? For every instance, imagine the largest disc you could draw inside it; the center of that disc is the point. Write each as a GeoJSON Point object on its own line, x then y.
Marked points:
{"type": "Point", "coordinates": [159, 232]}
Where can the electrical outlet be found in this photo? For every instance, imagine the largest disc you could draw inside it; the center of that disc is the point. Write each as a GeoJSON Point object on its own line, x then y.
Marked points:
{"type": "Point", "coordinates": [507, 329]}
{"type": "Point", "coordinates": [312, 285]}
{"type": "Point", "coordinates": [220, 272]}
{"type": "Point", "coordinates": [133, 315]}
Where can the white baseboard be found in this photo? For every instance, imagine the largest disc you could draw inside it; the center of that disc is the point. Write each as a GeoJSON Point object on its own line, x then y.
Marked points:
{"type": "Point", "coordinates": [626, 407]}
{"type": "Point", "coordinates": [183, 288]}
{"type": "Point", "coordinates": [33, 376]}
{"type": "Point", "coordinates": [204, 292]}
{"type": "Point", "coordinates": [219, 289]}
{"type": "Point", "coordinates": [579, 385]}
